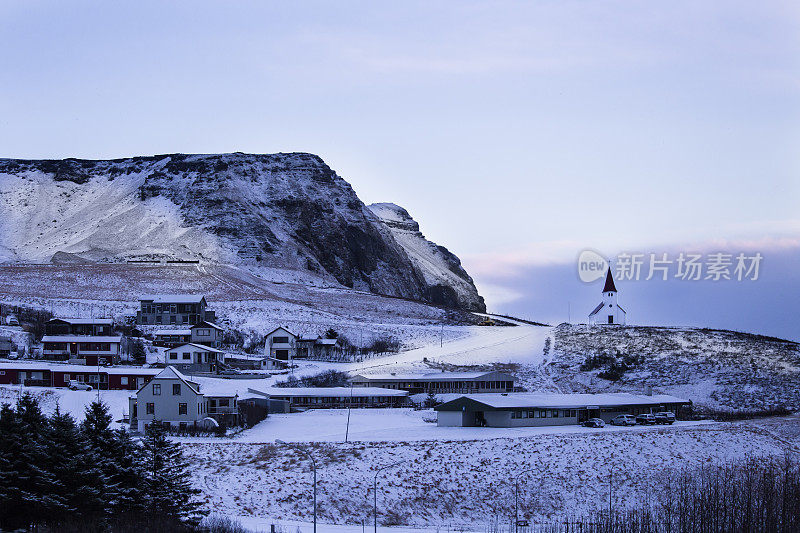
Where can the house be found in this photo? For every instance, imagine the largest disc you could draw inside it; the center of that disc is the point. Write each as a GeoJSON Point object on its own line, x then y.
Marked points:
{"type": "Point", "coordinates": [608, 312]}
{"type": "Point", "coordinates": [334, 397]}
{"type": "Point", "coordinates": [528, 409]}
{"type": "Point", "coordinates": [6, 346]}
{"type": "Point", "coordinates": [174, 400]}
{"type": "Point", "coordinates": [440, 382]}
{"type": "Point", "coordinates": [96, 327]}
{"type": "Point", "coordinates": [82, 349]}
{"type": "Point", "coordinates": [173, 309]}
{"type": "Point", "coordinates": [172, 338]}
{"type": "Point", "coordinates": [206, 333]}
{"type": "Point", "coordinates": [280, 344]}
{"type": "Point", "coordinates": [192, 357]}
{"type": "Point", "coordinates": [42, 374]}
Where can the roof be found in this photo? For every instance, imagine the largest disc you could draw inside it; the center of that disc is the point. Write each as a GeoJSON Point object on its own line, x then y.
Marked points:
{"type": "Point", "coordinates": [206, 324]}
{"type": "Point", "coordinates": [115, 370]}
{"type": "Point", "coordinates": [596, 309]}
{"type": "Point", "coordinates": [102, 321]}
{"type": "Point", "coordinates": [524, 400]}
{"type": "Point", "coordinates": [609, 286]}
{"type": "Point", "coordinates": [173, 332]}
{"type": "Point", "coordinates": [200, 346]}
{"type": "Point", "coordinates": [330, 392]}
{"type": "Point", "coordinates": [80, 338]}
{"type": "Point", "coordinates": [430, 376]}
{"type": "Point", "coordinates": [171, 372]}
{"type": "Point", "coordinates": [284, 328]}
{"type": "Point", "coordinates": [329, 342]}
{"type": "Point", "coordinates": [173, 298]}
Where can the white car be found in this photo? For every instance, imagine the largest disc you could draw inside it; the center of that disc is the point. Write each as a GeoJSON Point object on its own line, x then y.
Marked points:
{"type": "Point", "coordinates": [11, 320]}
{"type": "Point", "coordinates": [77, 385]}
{"type": "Point", "coordinates": [624, 420]}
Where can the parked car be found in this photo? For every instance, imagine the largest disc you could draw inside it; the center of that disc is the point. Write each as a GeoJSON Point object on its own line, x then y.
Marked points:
{"type": "Point", "coordinates": [77, 385]}
{"type": "Point", "coordinates": [624, 420]}
{"type": "Point", "coordinates": [11, 320]}
{"type": "Point", "coordinates": [593, 423]}
{"type": "Point", "coordinates": [665, 417]}
{"type": "Point", "coordinates": [13, 355]}
{"type": "Point", "coordinates": [646, 419]}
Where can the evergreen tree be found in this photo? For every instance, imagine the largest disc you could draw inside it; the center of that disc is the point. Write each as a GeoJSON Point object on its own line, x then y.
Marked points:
{"type": "Point", "coordinates": [25, 484]}
{"type": "Point", "coordinates": [167, 476]}
{"type": "Point", "coordinates": [79, 484]}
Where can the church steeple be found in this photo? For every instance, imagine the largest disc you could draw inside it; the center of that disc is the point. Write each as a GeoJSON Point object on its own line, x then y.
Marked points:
{"type": "Point", "coordinates": [609, 286]}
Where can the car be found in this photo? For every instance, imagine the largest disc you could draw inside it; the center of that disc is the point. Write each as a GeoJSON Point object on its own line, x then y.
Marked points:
{"type": "Point", "coordinates": [593, 423]}
{"type": "Point", "coordinates": [646, 419]}
{"type": "Point", "coordinates": [13, 355]}
{"type": "Point", "coordinates": [11, 320]}
{"type": "Point", "coordinates": [77, 385]}
{"type": "Point", "coordinates": [665, 417]}
{"type": "Point", "coordinates": [623, 420]}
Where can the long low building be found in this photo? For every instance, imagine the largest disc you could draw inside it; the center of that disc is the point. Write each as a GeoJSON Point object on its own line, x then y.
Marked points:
{"type": "Point", "coordinates": [440, 382]}
{"type": "Point", "coordinates": [37, 374]}
{"type": "Point", "coordinates": [90, 350]}
{"type": "Point", "coordinates": [335, 397]}
{"type": "Point", "coordinates": [529, 409]}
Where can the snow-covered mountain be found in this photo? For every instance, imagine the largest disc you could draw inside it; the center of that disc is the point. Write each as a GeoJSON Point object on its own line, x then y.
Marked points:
{"type": "Point", "coordinates": [279, 215]}
{"type": "Point", "coordinates": [446, 279]}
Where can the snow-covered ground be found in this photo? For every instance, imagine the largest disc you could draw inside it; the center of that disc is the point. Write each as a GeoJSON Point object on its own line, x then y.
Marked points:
{"type": "Point", "coordinates": [72, 402]}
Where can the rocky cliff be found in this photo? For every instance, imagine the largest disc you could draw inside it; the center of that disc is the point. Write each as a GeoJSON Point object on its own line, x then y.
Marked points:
{"type": "Point", "coordinates": [281, 215]}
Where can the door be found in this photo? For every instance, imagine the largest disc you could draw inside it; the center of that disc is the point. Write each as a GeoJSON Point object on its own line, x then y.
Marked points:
{"type": "Point", "coordinates": [610, 319]}
{"type": "Point", "coordinates": [73, 348]}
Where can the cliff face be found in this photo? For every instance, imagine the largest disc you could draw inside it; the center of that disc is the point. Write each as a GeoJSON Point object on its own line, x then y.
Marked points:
{"type": "Point", "coordinates": [283, 215]}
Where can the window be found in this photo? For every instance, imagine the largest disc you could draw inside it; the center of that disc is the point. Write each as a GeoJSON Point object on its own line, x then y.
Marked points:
{"type": "Point", "coordinates": [555, 413]}
{"type": "Point", "coordinates": [203, 332]}
{"type": "Point", "coordinates": [176, 389]}
{"type": "Point", "coordinates": [123, 380]}
{"type": "Point", "coordinates": [182, 409]}
{"type": "Point", "coordinates": [151, 408]}
{"type": "Point", "coordinates": [182, 426]}
{"type": "Point", "coordinates": [187, 355]}
{"type": "Point", "coordinates": [173, 355]}
{"type": "Point", "coordinates": [224, 402]}
{"type": "Point", "coordinates": [280, 340]}
{"type": "Point", "coordinates": [66, 376]}
{"type": "Point", "coordinates": [156, 389]}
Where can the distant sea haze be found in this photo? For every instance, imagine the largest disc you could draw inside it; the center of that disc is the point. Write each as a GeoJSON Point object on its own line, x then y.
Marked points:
{"type": "Point", "coordinates": [768, 306]}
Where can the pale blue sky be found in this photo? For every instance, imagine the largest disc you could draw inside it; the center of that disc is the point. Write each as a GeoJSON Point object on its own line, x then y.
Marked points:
{"type": "Point", "coordinates": [517, 133]}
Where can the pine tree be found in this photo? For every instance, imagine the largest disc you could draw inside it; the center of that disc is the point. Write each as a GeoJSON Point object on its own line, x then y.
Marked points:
{"type": "Point", "coordinates": [80, 486]}
{"type": "Point", "coordinates": [167, 473]}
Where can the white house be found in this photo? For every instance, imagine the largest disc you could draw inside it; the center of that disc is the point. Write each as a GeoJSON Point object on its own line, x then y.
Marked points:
{"type": "Point", "coordinates": [195, 358]}
{"type": "Point", "coordinates": [608, 312]}
{"type": "Point", "coordinates": [280, 345]}
{"type": "Point", "coordinates": [175, 400]}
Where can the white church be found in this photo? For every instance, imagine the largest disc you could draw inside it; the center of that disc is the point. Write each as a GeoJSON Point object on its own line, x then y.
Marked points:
{"type": "Point", "coordinates": [608, 313]}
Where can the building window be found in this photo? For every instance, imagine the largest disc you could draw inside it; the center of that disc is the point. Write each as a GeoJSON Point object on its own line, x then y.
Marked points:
{"type": "Point", "coordinates": [173, 355]}
{"type": "Point", "coordinates": [176, 389]}
{"type": "Point", "coordinates": [223, 402]}
{"type": "Point", "coordinates": [123, 380]}
{"type": "Point", "coordinates": [203, 332]}
{"type": "Point", "coordinates": [187, 355]}
{"type": "Point", "coordinates": [181, 408]}
{"type": "Point", "coordinates": [157, 389]}
{"type": "Point", "coordinates": [555, 413]}
{"type": "Point", "coordinates": [151, 408]}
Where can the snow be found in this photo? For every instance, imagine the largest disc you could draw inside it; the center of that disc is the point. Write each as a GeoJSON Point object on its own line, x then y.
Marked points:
{"type": "Point", "coordinates": [69, 401]}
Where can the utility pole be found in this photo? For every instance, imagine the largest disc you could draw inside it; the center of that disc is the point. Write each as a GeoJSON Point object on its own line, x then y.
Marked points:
{"type": "Point", "coordinates": [375, 493]}
{"type": "Point", "coordinates": [441, 337]}
{"type": "Point", "coordinates": [349, 407]}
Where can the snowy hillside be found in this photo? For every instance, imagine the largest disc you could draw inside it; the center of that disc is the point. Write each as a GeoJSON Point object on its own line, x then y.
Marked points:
{"type": "Point", "coordinates": [282, 216]}
{"type": "Point", "coordinates": [442, 270]}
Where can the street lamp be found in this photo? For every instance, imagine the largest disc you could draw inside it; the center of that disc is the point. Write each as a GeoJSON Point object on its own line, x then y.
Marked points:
{"type": "Point", "coordinates": [313, 468]}
{"type": "Point", "coordinates": [375, 492]}
{"type": "Point", "coordinates": [516, 496]}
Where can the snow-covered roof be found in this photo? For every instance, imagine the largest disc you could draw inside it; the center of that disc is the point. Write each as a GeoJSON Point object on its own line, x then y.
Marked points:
{"type": "Point", "coordinates": [328, 392]}
{"type": "Point", "coordinates": [80, 338]}
{"type": "Point", "coordinates": [284, 328]}
{"type": "Point", "coordinates": [559, 401]}
{"type": "Point", "coordinates": [206, 324]}
{"type": "Point", "coordinates": [172, 298]}
{"type": "Point", "coordinates": [597, 309]}
{"type": "Point", "coordinates": [199, 346]}
{"type": "Point", "coordinates": [55, 367]}
{"type": "Point", "coordinates": [328, 342]}
{"type": "Point", "coordinates": [171, 372]}
{"type": "Point", "coordinates": [431, 376]}
{"type": "Point", "coordinates": [173, 332]}
{"type": "Point", "coordinates": [81, 321]}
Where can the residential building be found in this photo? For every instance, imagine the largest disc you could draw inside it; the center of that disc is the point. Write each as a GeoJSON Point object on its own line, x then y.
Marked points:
{"type": "Point", "coordinates": [207, 334]}
{"type": "Point", "coordinates": [7, 346]}
{"type": "Point", "coordinates": [608, 312]}
{"type": "Point", "coordinates": [280, 344]}
{"type": "Point", "coordinates": [96, 327]}
{"type": "Point", "coordinates": [528, 409]}
{"type": "Point", "coordinates": [173, 310]}
{"type": "Point", "coordinates": [82, 349]}
{"type": "Point", "coordinates": [172, 338]}
{"type": "Point", "coordinates": [42, 374]}
{"type": "Point", "coordinates": [195, 358]}
{"type": "Point", "coordinates": [173, 399]}
{"type": "Point", "coordinates": [440, 382]}
{"type": "Point", "coordinates": [335, 397]}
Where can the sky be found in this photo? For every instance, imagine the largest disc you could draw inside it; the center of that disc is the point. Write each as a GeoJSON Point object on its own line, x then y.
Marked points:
{"type": "Point", "coordinates": [516, 133]}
